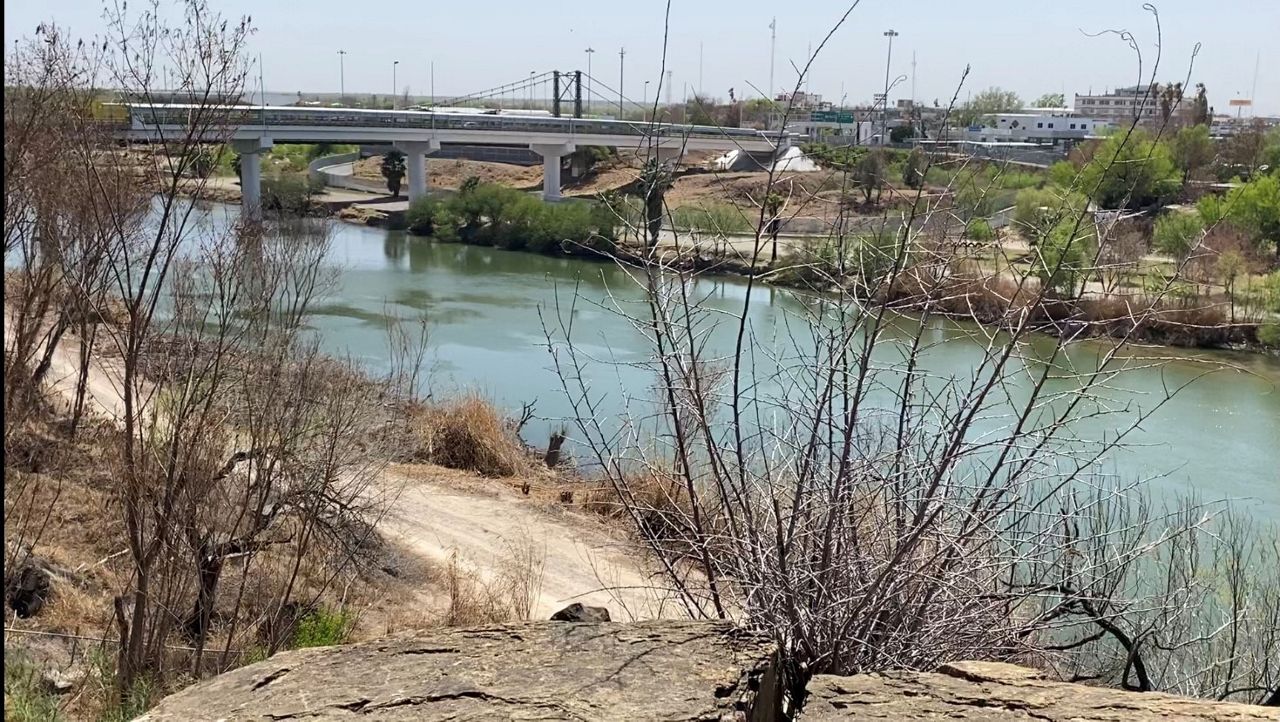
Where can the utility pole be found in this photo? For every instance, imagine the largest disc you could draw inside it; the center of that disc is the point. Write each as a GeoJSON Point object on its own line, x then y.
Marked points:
{"type": "Point", "coordinates": [531, 74]}
{"type": "Point", "coordinates": [773, 48]}
{"type": "Point", "coordinates": [668, 87]}
{"type": "Point", "coordinates": [394, 91]}
{"type": "Point", "coordinates": [342, 76]}
{"type": "Point", "coordinates": [433, 87]}
{"type": "Point", "coordinates": [646, 93]}
{"type": "Point", "coordinates": [884, 112]}
{"type": "Point", "coordinates": [622, 56]}
{"type": "Point", "coordinates": [589, 51]}
{"type": "Point", "coordinates": [913, 79]}
{"type": "Point", "coordinates": [699, 93]}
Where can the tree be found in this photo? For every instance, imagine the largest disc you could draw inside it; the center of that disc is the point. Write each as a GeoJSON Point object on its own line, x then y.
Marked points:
{"type": "Point", "coordinates": [913, 169]}
{"type": "Point", "coordinates": [1192, 150]}
{"type": "Point", "coordinates": [1051, 100]}
{"type": "Point", "coordinates": [393, 169]}
{"type": "Point", "coordinates": [1255, 207]}
{"type": "Point", "coordinates": [990, 101]}
{"type": "Point", "coordinates": [773, 213]}
{"type": "Point", "coordinates": [1178, 233]}
{"type": "Point", "coordinates": [1200, 111]}
{"type": "Point", "coordinates": [870, 174]}
{"type": "Point", "coordinates": [1130, 171]}
{"type": "Point", "coordinates": [1170, 97]}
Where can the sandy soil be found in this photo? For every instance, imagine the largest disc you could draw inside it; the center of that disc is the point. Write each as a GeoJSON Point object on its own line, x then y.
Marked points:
{"type": "Point", "coordinates": [440, 513]}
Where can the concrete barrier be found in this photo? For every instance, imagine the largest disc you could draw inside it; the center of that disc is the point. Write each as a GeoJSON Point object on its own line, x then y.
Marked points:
{"type": "Point", "coordinates": [321, 169]}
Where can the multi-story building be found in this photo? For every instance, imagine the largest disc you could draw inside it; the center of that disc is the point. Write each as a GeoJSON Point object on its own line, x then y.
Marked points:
{"type": "Point", "coordinates": [1120, 105]}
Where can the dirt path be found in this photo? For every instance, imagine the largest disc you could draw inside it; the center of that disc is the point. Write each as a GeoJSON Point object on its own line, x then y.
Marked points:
{"type": "Point", "coordinates": [440, 513]}
{"type": "Point", "coordinates": [489, 527]}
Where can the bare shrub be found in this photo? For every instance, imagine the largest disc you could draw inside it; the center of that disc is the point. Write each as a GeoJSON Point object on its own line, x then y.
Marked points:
{"type": "Point", "coordinates": [834, 488]}
{"type": "Point", "coordinates": [468, 433]}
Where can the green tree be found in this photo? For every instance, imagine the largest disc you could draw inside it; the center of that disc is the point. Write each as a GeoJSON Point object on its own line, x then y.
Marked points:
{"type": "Point", "coordinates": [1192, 150]}
{"type": "Point", "coordinates": [870, 174]}
{"type": "Point", "coordinates": [1130, 171]}
{"type": "Point", "coordinates": [1177, 233]}
{"type": "Point", "coordinates": [393, 169]}
{"type": "Point", "coordinates": [1051, 100]}
{"type": "Point", "coordinates": [1255, 207]}
{"type": "Point", "coordinates": [1062, 263]}
{"type": "Point", "coordinates": [913, 169]}
{"type": "Point", "coordinates": [989, 101]}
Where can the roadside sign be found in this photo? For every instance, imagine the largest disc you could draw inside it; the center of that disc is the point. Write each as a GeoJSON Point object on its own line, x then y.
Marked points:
{"type": "Point", "coordinates": [1240, 102]}
{"type": "Point", "coordinates": [830, 116]}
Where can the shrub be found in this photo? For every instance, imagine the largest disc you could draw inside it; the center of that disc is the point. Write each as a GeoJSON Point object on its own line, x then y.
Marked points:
{"type": "Point", "coordinates": [979, 229]}
{"type": "Point", "coordinates": [1269, 335]}
{"type": "Point", "coordinates": [711, 217]}
{"type": "Point", "coordinates": [323, 628]}
{"type": "Point", "coordinates": [469, 433]}
{"type": "Point", "coordinates": [1177, 233]}
{"type": "Point", "coordinates": [290, 193]}
{"type": "Point", "coordinates": [422, 216]}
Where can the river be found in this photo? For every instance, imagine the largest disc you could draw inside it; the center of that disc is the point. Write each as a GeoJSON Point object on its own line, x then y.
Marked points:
{"type": "Point", "coordinates": [1218, 438]}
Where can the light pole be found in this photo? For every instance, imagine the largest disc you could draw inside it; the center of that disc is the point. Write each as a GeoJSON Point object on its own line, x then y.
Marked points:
{"type": "Point", "coordinates": [884, 112]}
{"type": "Point", "coordinates": [646, 93]}
{"type": "Point", "coordinates": [622, 57]}
{"type": "Point", "coordinates": [530, 93]}
{"type": "Point", "coordinates": [589, 51]}
{"type": "Point", "coordinates": [342, 77]}
{"type": "Point", "coordinates": [394, 65]}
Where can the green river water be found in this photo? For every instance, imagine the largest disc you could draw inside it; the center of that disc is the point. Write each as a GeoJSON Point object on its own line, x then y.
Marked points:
{"type": "Point", "coordinates": [1218, 438]}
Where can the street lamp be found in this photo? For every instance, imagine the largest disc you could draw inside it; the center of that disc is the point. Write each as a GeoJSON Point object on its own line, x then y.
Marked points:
{"type": "Point", "coordinates": [342, 77]}
{"type": "Point", "coordinates": [394, 64]}
{"type": "Point", "coordinates": [884, 112]}
{"type": "Point", "coordinates": [589, 51]}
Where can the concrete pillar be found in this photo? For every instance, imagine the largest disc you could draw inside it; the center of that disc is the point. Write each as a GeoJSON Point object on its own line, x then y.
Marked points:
{"type": "Point", "coordinates": [251, 174]}
{"type": "Point", "coordinates": [551, 155]}
{"type": "Point", "coordinates": [415, 164]}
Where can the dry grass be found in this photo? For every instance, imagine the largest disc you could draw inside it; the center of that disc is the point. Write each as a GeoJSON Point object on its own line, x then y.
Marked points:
{"type": "Point", "coordinates": [469, 433]}
{"type": "Point", "coordinates": [510, 594]}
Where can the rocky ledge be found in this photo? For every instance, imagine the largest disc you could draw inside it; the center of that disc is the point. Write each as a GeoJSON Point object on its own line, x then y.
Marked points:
{"type": "Point", "coordinates": [1002, 693]}
{"type": "Point", "coordinates": [537, 670]}
{"type": "Point", "coordinates": [579, 670]}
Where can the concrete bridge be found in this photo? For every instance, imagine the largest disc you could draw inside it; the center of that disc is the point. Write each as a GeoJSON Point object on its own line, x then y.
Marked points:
{"type": "Point", "coordinates": [419, 133]}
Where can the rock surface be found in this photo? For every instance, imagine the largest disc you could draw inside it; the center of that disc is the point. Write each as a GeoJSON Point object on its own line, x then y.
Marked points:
{"type": "Point", "coordinates": [1001, 693]}
{"type": "Point", "coordinates": [537, 670]}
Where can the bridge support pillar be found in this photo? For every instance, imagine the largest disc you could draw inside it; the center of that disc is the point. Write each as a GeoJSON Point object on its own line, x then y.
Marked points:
{"type": "Point", "coordinates": [551, 155]}
{"type": "Point", "coordinates": [251, 174]}
{"type": "Point", "coordinates": [415, 163]}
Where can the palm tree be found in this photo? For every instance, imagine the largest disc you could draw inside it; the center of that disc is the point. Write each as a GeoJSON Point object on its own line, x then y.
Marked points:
{"type": "Point", "coordinates": [393, 170]}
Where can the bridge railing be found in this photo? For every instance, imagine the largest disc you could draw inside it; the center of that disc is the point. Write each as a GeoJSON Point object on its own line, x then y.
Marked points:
{"type": "Point", "coordinates": [348, 117]}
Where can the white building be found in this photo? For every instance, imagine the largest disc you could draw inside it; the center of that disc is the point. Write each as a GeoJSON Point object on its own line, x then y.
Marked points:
{"type": "Point", "coordinates": [1036, 125]}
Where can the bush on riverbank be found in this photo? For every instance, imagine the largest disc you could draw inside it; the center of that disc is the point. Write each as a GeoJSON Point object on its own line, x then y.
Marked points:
{"type": "Point", "coordinates": [468, 433]}
{"type": "Point", "coordinates": [492, 215]}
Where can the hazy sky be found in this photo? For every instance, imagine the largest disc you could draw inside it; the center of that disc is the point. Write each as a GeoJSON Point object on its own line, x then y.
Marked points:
{"type": "Point", "coordinates": [1031, 46]}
